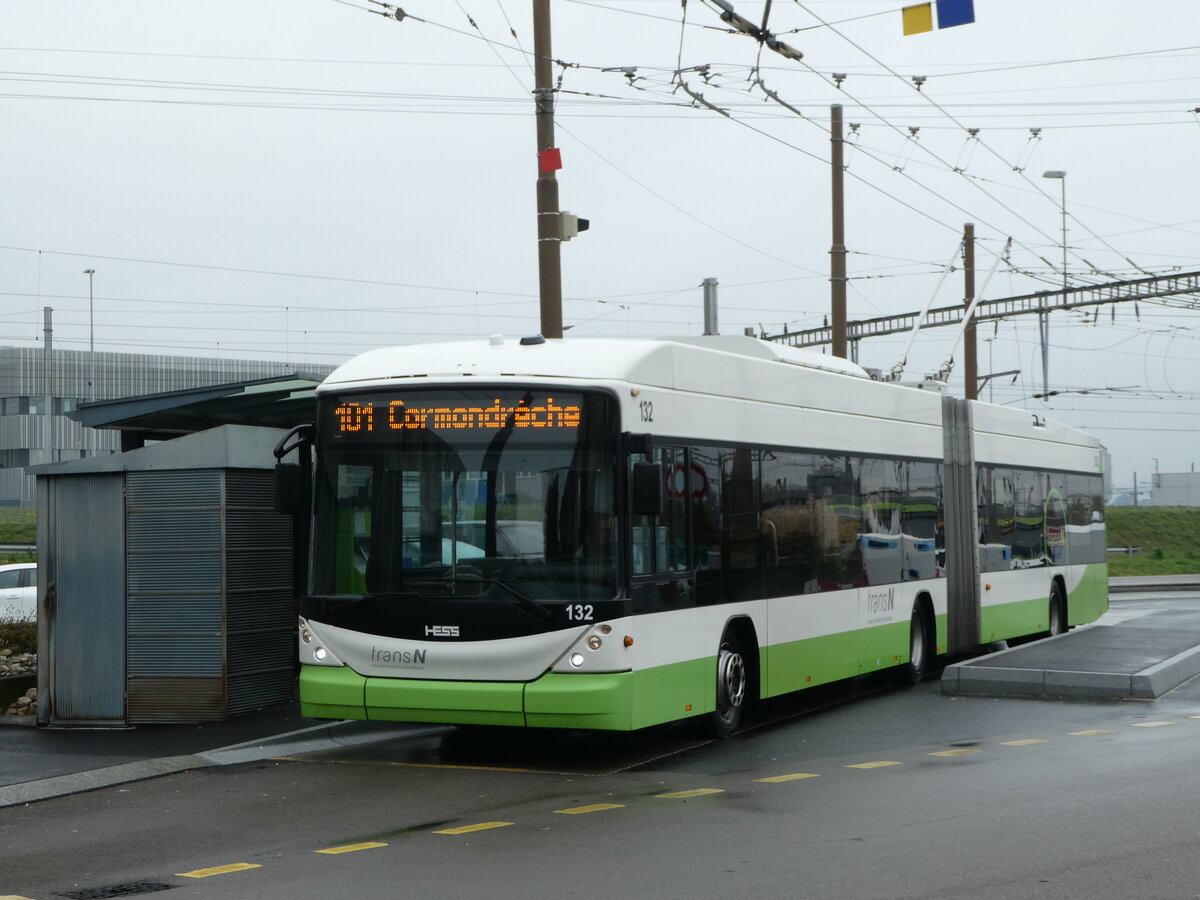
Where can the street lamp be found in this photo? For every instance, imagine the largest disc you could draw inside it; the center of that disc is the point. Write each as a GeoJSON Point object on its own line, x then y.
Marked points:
{"type": "Point", "coordinates": [91, 335]}
{"type": "Point", "coordinates": [1043, 319]}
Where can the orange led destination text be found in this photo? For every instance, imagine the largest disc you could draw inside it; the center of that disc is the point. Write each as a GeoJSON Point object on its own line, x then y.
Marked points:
{"type": "Point", "coordinates": [360, 417]}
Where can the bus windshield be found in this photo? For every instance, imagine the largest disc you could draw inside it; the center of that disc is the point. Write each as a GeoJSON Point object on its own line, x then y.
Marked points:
{"type": "Point", "coordinates": [493, 493]}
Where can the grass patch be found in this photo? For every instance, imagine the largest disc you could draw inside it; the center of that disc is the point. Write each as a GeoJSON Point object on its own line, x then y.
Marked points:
{"type": "Point", "coordinates": [18, 525]}
{"type": "Point", "coordinates": [1169, 538]}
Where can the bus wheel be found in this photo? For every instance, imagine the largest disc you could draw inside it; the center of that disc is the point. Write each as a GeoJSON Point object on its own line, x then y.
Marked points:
{"type": "Point", "coordinates": [918, 648]}
{"type": "Point", "coordinates": [1058, 610]}
{"type": "Point", "coordinates": [731, 688]}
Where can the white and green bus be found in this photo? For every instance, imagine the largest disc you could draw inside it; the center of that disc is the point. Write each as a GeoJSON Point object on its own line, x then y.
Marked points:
{"type": "Point", "coordinates": [614, 534]}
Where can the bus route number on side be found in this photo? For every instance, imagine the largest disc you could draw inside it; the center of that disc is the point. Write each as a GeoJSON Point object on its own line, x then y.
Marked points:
{"type": "Point", "coordinates": [647, 408]}
{"type": "Point", "coordinates": [580, 612]}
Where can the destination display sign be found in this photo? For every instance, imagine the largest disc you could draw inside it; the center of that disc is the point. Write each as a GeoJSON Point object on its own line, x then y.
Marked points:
{"type": "Point", "coordinates": [372, 415]}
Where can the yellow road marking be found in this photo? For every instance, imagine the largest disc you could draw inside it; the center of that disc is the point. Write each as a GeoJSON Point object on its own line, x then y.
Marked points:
{"type": "Point", "coordinates": [219, 870]}
{"type": "Point", "coordinates": [467, 829]}
{"type": "Point", "coordinates": [873, 765]}
{"type": "Point", "coordinates": [595, 807]}
{"type": "Point", "coordinates": [1150, 724]}
{"type": "Point", "coordinates": [1022, 743]}
{"type": "Point", "coordinates": [13, 897]}
{"type": "Point", "coordinates": [684, 795]}
{"type": "Point", "coordinates": [962, 752]}
{"type": "Point", "coordinates": [1090, 733]}
{"type": "Point", "coordinates": [1194, 717]}
{"type": "Point", "coordinates": [779, 779]}
{"type": "Point", "coordinates": [350, 848]}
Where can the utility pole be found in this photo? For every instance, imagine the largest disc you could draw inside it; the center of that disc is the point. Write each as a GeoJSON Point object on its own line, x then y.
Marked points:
{"type": "Point", "coordinates": [549, 222]}
{"type": "Point", "coordinates": [1044, 318]}
{"type": "Point", "coordinates": [970, 359]}
{"type": "Point", "coordinates": [837, 252]}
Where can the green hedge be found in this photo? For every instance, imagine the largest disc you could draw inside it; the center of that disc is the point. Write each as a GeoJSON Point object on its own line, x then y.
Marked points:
{"type": "Point", "coordinates": [19, 637]}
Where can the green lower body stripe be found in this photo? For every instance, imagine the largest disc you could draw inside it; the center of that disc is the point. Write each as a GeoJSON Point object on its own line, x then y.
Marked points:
{"type": "Point", "coordinates": [624, 701]}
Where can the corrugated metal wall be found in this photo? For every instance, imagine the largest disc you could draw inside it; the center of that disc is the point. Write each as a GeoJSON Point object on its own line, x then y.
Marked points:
{"type": "Point", "coordinates": [176, 596]}
{"type": "Point", "coordinates": [211, 618]}
{"type": "Point", "coordinates": [83, 572]}
{"type": "Point", "coordinates": [260, 618]}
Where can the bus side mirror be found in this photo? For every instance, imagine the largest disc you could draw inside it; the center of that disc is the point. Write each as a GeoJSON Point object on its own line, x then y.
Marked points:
{"type": "Point", "coordinates": [647, 489]}
{"type": "Point", "coordinates": [288, 488]}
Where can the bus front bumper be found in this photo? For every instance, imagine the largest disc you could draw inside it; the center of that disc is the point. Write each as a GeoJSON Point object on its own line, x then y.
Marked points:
{"type": "Point", "coordinates": [603, 701]}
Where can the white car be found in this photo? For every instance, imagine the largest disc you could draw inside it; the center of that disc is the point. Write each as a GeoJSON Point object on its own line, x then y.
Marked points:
{"type": "Point", "coordinates": [18, 592]}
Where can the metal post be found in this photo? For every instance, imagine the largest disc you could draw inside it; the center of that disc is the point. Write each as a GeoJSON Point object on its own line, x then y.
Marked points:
{"type": "Point", "coordinates": [710, 306]}
{"type": "Point", "coordinates": [970, 359]}
{"type": "Point", "coordinates": [549, 222]}
{"type": "Point", "coordinates": [48, 359]}
{"type": "Point", "coordinates": [1044, 317]}
{"type": "Point", "coordinates": [837, 252]}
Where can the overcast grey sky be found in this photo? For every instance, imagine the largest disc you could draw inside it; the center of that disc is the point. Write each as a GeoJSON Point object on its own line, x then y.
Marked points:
{"type": "Point", "coordinates": [302, 181]}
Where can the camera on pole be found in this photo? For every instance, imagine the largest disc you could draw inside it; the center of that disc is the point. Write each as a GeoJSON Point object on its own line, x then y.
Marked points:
{"type": "Point", "coordinates": [570, 225]}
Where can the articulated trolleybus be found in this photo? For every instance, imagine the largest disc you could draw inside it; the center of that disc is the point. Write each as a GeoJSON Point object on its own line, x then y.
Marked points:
{"type": "Point", "coordinates": [613, 534]}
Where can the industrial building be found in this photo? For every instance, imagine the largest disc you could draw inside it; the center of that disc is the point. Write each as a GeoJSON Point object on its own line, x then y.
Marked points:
{"type": "Point", "coordinates": [1174, 489]}
{"type": "Point", "coordinates": [38, 396]}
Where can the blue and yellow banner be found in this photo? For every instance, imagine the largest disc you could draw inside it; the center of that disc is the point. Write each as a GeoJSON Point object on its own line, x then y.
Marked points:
{"type": "Point", "coordinates": [919, 18]}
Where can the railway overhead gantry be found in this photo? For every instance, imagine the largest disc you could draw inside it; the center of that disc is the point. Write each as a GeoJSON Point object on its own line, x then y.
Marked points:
{"type": "Point", "coordinates": [1161, 287]}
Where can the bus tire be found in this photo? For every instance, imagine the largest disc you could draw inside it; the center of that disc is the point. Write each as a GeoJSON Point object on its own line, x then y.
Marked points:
{"type": "Point", "coordinates": [732, 683]}
{"type": "Point", "coordinates": [1057, 616]}
{"type": "Point", "coordinates": [918, 648]}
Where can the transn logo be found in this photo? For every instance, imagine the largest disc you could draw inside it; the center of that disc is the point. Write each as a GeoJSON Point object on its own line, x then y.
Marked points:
{"type": "Point", "coordinates": [441, 631]}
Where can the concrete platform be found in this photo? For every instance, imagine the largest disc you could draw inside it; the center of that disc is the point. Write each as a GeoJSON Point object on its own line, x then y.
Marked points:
{"type": "Point", "coordinates": [1139, 651]}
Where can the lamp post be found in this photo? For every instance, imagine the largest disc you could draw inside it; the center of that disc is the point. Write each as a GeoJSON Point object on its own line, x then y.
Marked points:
{"type": "Point", "coordinates": [991, 369]}
{"type": "Point", "coordinates": [1043, 318]}
{"type": "Point", "coordinates": [91, 335]}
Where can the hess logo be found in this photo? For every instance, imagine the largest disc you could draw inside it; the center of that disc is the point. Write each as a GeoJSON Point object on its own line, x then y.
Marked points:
{"type": "Point", "coordinates": [441, 631]}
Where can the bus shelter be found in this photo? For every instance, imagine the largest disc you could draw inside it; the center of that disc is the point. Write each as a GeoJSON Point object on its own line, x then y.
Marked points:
{"type": "Point", "coordinates": [165, 583]}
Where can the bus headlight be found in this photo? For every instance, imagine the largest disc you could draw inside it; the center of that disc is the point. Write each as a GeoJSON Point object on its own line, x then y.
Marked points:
{"type": "Point", "coordinates": [319, 653]}
{"type": "Point", "coordinates": [577, 660]}
{"type": "Point", "coordinates": [594, 642]}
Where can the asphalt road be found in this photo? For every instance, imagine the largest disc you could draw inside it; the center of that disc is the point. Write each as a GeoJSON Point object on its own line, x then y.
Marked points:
{"type": "Point", "coordinates": [869, 791]}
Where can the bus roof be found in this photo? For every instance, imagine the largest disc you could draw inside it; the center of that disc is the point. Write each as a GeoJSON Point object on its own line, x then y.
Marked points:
{"type": "Point", "coordinates": [637, 360]}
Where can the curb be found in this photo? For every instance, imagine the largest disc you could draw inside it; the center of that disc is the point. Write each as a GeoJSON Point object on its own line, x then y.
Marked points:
{"type": "Point", "coordinates": [1135, 584]}
{"type": "Point", "coordinates": [965, 678]}
{"type": "Point", "coordinates": [61, 785]}
{"type": "Point", "coordinates": [347, 733]}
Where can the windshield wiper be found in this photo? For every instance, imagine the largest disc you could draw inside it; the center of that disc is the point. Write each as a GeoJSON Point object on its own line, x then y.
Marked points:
{"type": "Point", "coordinates": [386, 597]}
{"type": "Point", "coordinates": [444, 574]}
{"type": "Point", "coordinates": [524, 601]}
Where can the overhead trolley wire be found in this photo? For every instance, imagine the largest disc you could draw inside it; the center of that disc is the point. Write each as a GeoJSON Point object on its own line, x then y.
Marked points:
{"type": "Point", "coordinates": [984, 144]}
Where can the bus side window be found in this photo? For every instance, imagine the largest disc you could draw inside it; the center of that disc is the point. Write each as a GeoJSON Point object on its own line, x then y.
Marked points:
{"type": "Point", "coordinates": [740, 529]}
{"type": "Point", "coordinates": [661, 543]}
{"type": "Point", "coordinates": [788, 522]}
